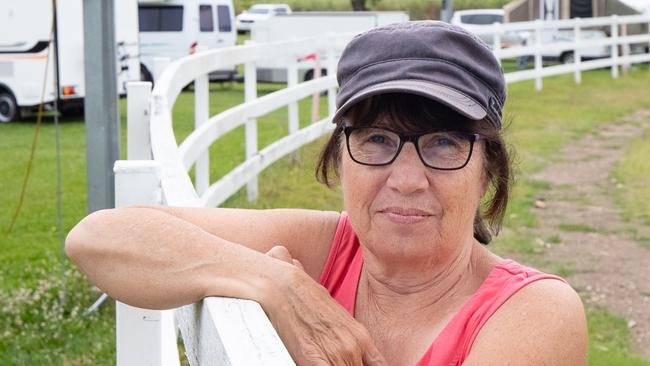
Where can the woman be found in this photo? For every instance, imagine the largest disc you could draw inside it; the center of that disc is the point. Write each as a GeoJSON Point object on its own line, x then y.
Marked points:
{"type": "Point", "coordinates": [402, 277]}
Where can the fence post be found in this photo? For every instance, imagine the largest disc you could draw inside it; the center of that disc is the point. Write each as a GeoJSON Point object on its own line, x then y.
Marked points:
{"type": "Point", "coordinates": [538, 54]}
{"type": "Point", "coordinates": [201, 115]}
{"type": "Point", "coordinates": [250, 94]}
{"type": "Point", "coordinates": [315, 98]}
{"type": "Point", "coordinates": [331, 70]}
{"type": "Point", "coordinates": [648, 32]}
{"type": "Point", "coordinates": [496, 41]}
{"type": "Point", "coordinates": [292, 80]}
{"type": "Point", "coordinates": [614, 37]}
{"type": "Point", "coordinates": [143, 336]}
{"type": "Point", "coordinates": [625, 47]}
{"type": "Point", "coordinates": [138, 141]}
{"type": "Point", "coordinates": [577, 54]}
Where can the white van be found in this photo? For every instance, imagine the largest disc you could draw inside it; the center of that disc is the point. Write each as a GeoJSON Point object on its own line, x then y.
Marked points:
{"type": "Point", "coordinates": [176, 28]}
{"type": "Point", "coordinates": [25, 29]}
{"type": "Point", "coordinates": [313, 24]}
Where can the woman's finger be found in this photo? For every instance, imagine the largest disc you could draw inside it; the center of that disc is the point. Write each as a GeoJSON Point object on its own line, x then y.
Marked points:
{"type": "Point", "coordinates": [372, 357]}
{"type": "Point", "coordinates": [281, 253]}
{"type": "Point", "coordinates": [298, 264]}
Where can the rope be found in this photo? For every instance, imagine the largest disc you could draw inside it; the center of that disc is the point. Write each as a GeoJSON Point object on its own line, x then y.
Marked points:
{"type": "Point", "coordinates": [39, 117]}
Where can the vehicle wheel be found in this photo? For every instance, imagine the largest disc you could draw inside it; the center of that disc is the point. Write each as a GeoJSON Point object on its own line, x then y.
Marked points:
{"type": "Point", "coordinates": [145, 75]}
{"type": "Point", "coordinates": [568, 58]}
{"type": "Point", "coordinates": [310, 74]}
{"type": "Point", "coordinates": [8, 107]}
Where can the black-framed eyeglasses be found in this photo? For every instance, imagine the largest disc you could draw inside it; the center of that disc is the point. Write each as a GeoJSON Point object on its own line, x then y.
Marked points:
{"type": "Point", "coordinates": [442, 150]}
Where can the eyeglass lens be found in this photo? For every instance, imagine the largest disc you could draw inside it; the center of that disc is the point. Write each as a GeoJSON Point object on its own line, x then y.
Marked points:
{"type": "Point", "coordinates": [377, 146]}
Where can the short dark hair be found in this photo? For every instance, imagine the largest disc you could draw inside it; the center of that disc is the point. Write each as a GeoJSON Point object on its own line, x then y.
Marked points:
{"type": "Point", "coordinates": [409, 112]}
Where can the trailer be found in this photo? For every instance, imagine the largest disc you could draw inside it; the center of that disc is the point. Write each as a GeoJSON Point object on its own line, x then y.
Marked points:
{"type": "Point", "coordinates": [26, 39]}
{"type": "Point", "coordinates": [313, 24]}
{"type": "Point", "coordinates": [171, 29]}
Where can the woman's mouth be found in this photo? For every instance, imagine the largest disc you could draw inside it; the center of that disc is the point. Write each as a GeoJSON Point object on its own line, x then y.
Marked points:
{"type": "Point", "coordinates": [400, 215]}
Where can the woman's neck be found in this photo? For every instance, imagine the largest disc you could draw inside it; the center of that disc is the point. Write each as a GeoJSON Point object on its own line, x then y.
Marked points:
{"type": "Point", "coordinates": [425, 287]}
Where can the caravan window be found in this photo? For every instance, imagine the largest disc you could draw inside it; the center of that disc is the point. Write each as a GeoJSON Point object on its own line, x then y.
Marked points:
{"type": "Point", "coordinates": [481, 19]}
{"type": "Point", "coordinates": [205, 18]}
{"type": "Point", "coordinates": [223, 14]}
{"type": "Point", "coordinates": [160, 18]}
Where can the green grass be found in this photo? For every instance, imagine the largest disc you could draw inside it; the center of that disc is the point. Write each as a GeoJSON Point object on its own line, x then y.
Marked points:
{"type": "Point", "coordinates": [37, 328]}
{"type": "Point", "coordinates": [609, 342]}
{"type": "Point", "coordinates": [581, 228]}
{"type": "Point", "coordinates": [633, 171]}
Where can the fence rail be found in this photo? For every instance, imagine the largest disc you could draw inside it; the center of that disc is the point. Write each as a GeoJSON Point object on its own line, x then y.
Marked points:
{"type": "Point", "coordinates": [220, 331]}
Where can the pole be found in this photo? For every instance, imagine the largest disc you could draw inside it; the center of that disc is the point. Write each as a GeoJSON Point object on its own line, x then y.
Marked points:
{"type": "Point", "coordinates": [100, 103]}
{"type": "Point", "coordinates": [446, 10]}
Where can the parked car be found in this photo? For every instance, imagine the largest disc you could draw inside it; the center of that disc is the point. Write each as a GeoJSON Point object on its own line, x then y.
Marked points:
{"type": "Point", "coordinates": [479, 21]}
{"type": "Point", "coordinates": [259, 13]}
{"type": "Point", "coordinates": [567, 56]}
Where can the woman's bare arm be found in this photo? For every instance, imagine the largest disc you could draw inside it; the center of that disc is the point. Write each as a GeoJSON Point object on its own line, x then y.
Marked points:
{"type": "Point", "coordinates": [162, 257]}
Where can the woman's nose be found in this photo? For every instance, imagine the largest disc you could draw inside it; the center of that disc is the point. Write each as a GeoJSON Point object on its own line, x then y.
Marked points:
{"type": "Point", "coordinates": [408, 173]}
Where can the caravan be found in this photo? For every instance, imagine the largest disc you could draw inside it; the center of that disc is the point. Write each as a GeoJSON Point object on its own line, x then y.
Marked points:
{"type": "Point", "coordinates": [25, 39]}
{"type": "Point", "coordinates": [172, 29]}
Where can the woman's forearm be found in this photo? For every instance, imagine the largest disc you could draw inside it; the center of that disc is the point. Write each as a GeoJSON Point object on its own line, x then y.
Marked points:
{"type": "Point", "coordinates": [148, 258]}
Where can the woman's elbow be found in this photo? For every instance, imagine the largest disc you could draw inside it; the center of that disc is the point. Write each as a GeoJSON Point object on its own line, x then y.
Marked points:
{"type": "Point", "coordinates": [82, 238]}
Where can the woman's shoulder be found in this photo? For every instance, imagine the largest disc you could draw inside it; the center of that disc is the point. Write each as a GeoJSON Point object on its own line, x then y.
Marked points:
{"type": "Point", "coordinates": [543, 322]}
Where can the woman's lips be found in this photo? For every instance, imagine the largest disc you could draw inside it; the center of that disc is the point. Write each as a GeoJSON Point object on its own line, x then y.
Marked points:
{"type": "Point", "coordinates": [405, 216]}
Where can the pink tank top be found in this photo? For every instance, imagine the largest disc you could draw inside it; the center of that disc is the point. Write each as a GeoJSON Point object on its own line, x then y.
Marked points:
{"type": "Point", "coordinates": [341, 276]}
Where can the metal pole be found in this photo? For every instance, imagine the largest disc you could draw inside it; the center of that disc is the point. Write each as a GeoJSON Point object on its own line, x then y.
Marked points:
{"type": "Point", "coordinates": [446, 10]}
{"type": "Point", "coordinates": [100, 103]}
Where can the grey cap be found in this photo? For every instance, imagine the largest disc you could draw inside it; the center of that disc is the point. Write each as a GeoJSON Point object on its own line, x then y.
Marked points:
{"type": "Point", "coordinates": [429, 58]}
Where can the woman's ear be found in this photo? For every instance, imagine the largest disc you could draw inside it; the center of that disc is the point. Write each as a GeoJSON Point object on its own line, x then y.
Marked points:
{"type": "Point", "coordinates": [485, 182]}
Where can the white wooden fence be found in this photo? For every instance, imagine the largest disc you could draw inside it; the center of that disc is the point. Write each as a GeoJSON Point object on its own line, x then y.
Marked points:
{"type": "Point", "coordinates": [221, 331]}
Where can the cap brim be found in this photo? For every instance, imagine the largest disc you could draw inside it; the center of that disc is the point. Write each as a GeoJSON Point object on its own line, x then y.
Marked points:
{"type": "Point", "coordinates": [460, 102]}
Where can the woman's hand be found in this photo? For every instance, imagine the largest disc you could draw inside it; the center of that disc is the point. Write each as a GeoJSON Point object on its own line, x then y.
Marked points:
{"type": "Point", "coordinates": [315, 329]}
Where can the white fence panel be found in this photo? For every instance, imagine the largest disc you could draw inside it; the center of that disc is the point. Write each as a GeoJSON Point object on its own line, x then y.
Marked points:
{"type": "Point", "coordinates": [223, 331]}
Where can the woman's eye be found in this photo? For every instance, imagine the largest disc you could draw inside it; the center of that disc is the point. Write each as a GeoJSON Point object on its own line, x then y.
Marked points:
{"type": "Point", "coordinates": [378, 139]}
{"type": "Point", "coordinates": [445, 141]}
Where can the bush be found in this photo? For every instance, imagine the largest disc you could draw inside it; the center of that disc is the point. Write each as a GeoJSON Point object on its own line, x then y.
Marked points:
{"type": "Point", "coordinates": [44, 324]}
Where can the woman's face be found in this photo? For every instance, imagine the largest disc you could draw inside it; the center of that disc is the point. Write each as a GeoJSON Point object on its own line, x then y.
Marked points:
{"type": "Point", "coordinates": [406, 211]}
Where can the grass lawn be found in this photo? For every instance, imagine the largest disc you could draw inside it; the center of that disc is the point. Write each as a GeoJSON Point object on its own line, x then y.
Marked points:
{"type": "Point", "coordinates": [40, 308]}
{"type": "Point", "coordinates": [634, 173]}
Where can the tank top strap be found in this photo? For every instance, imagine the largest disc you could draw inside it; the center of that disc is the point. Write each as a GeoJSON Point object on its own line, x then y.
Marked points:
{"type": "Point", "coordinates": [340, 275]}
{"type": "Point", "coordinates": [454, 343]}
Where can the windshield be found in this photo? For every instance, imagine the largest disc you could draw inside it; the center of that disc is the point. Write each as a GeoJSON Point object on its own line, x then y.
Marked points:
{"type": "Point", "coordinates": [257, 10]}
{"type": "Point", "coordinates": [481, 19]}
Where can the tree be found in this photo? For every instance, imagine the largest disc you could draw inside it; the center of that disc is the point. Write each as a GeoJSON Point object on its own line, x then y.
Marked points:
{"type": "Point", "coordinates": [359, 5]}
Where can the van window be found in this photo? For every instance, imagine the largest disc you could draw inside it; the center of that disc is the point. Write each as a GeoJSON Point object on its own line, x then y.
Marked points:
{"type": "Point", "coordinates": [280, 10]}
{"type": "Point", "coordinates": [160, 18]}
{"type": "Point", "coordinates": [205, 18]}
{"type": "Point", "coordinates": [482, 19]}
{"type": "Point", "coordinates": [223, 15]}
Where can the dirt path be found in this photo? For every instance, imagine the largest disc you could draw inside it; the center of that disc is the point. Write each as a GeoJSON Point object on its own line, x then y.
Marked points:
{"type": "Point", "coordinates": [581, 229]}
